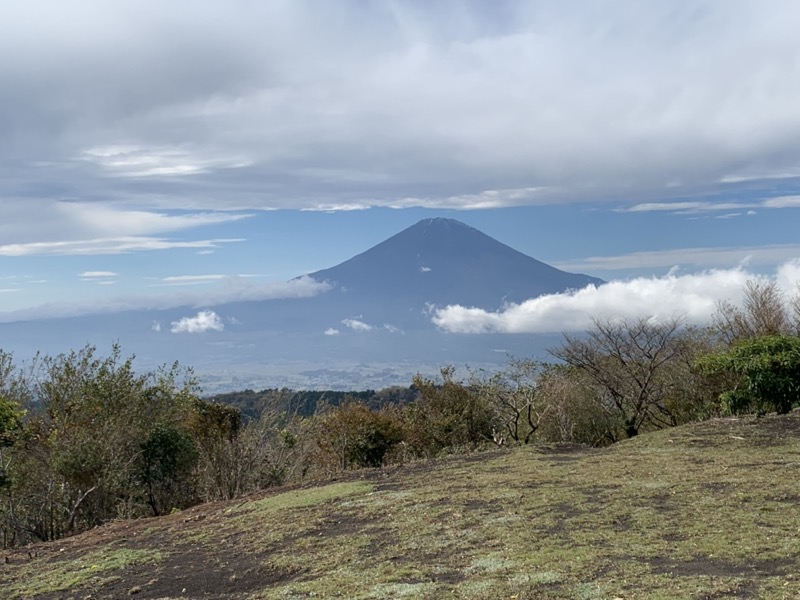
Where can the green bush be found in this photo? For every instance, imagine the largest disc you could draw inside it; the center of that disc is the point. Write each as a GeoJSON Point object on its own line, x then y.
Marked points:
{"type": "Point", "coordinates": [356, 437]}
{"type": "Point", "coordinates": [765, 372]}
{"type": "Point", "coordinates": [448, 416]}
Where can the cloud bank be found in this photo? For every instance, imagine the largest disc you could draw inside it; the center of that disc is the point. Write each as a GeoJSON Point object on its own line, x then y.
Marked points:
{"type": "Point", "coordinates": [694, 297]}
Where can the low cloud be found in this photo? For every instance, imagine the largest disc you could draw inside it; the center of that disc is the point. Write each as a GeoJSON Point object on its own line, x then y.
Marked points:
{"type": "Point", "coordinates": [93, 274]}
{"type": "Point", "coordinates": [331, 331]}
{"type": "Point", "coordinates": [231, 289]}
{"type": "Point", "coordinates": [693, 296]}
{"type": "Point", "coordinates": [205, 320]}
{"type": "Point", "coordinates": [357, 325]}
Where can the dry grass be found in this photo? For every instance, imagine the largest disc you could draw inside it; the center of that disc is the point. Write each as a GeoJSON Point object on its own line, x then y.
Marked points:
{"type": "Point", "coordinates": [705, 511]}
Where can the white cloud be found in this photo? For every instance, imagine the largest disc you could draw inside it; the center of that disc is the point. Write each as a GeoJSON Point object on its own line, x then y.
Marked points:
{"type": "Point", "coordinates": [694, 297]}
{"type": "Point", "coordinates": [203, 321]}
{"type": "Point", "coordinates": [691, 207]}
{"type": "Point", "coordinates": [357, 325]}
{"type": "Point", "coordinates": [697, 257]}
{"type": "Point", "coordinates": [91, 274]}
{"type": "Point", "coordinates": [788, 276]}
{"type": "Point", "coordinates": [686, 207]}
{"type": "Point", "coordinates": [331, 331]}
{"type": "Point", "coordinates": [782, 202]}
{"type": "Point", "coordinates": [135, 161]}
{"type": "Point", "coordinates": [106, 246]}
{"type": "Point", "coordinates": [156, 327]}
{"type": "Point", "coordinates": [392, 329]}
{"type": "Point", "coordinates": [106, 219]}
{"type": "Point", "coordinates": [425, 269]}
{"type": "Point", "coordinates": [203, 279]}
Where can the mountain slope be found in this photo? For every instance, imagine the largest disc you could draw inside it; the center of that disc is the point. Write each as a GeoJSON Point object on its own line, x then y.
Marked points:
{"type": "Point", "coordinates": [444, 261]}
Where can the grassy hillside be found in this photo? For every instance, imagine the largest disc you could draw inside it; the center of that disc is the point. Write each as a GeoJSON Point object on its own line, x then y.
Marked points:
{"type": "Point", "coordinates": [706, 511]}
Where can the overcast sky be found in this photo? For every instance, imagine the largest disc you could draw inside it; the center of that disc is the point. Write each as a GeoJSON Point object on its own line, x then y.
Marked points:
{"type": "Point", "coordinates": [155, 150]}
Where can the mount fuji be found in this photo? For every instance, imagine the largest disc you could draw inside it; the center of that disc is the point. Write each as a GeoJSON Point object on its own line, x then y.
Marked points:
{"type": "Point", "coordinates": [370, 329]}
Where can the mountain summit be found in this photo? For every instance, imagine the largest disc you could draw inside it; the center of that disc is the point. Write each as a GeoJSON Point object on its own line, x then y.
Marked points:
{"type": "Point", "coordinates": [444, 261]}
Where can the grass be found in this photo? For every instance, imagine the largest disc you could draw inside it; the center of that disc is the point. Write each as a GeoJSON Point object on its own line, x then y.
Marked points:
{"type": "Point", "coordinates": [699, 512]}
{"type": "Point", "coordinates": [88, 571]}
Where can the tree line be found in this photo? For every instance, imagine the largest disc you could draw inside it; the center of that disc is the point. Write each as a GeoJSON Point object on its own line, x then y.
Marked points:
{"type": "Point", "coordinates": [252, 403]}
{"type": "Point", "coordinates": [85, 438]}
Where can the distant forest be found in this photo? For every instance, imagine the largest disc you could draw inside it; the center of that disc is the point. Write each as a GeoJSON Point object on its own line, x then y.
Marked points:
{"type": "Point", "coordinates": [304, 403]}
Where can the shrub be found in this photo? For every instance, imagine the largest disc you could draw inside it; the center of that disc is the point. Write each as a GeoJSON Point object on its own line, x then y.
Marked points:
{"type": "Point", "coordinates": [765, 372]}
{"type": "Point", "coordinates": [354, 436]}
{"type": "Point", "coordinates": [448, 416]}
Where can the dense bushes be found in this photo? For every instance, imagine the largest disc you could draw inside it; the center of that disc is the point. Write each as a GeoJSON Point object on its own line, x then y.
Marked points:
{"type": "Point", "coordinates": [353, 436]}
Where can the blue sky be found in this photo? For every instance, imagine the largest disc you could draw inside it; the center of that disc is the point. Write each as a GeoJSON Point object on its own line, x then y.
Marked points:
{"type": "Point", "coordinates": [195, 152]}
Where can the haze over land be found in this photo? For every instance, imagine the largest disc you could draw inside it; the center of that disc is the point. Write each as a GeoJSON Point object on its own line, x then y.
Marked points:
{"type": "Point", "coordinates": [174, 159]}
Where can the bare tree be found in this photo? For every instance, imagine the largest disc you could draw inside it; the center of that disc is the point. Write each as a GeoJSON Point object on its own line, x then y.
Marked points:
{"type": "Point", "coordinates": [512, 394]}
{"type": "Point", "coordinates": [627, 363]}
{"type": "Point", "coordinates": [763, 312]}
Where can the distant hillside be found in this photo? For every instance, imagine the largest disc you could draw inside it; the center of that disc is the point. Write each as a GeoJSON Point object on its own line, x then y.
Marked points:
{"type": "Point", "coordinates": [306, 402]}
{"type": "Point", "coordinates": [701, 511]}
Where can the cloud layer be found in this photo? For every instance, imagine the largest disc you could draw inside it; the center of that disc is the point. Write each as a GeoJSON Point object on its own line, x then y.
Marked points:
{"type": "Point", "coordinates": [231, 289]}
{"type": "Point", "coordinates": [694, 297]}
{"type": "Point", "coordinates": [132, 109]}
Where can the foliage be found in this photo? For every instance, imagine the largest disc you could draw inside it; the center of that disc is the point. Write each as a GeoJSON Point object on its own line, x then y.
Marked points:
{"type": "Point", "coordinates": [449, 415]}
{"type": "Point", "coordinates": [168, 456]}
{"type": "Point", "coordinates": [356, 437]}
{"type": "Point", "coordinates": [13, 394]}
{"type": "Point", "coordinates": [765, 370]}
{"type": "Point", "coordinates": [90, 450]}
